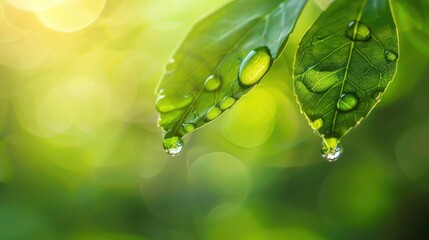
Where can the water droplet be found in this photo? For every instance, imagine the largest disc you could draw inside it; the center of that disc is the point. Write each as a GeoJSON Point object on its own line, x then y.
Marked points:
{"type": "Point", "coordinates": [319, 82]}
{"type": "Point", "coordinates": [173, 145]}
{"type": "Point", "coordinates": [331, 149]}
{"type": "Point", "coordinates": [390, 55]}
{"type": "Point", "coordinates": [226, 103]}
{"type": "Point", "coordinates": [212, 83]}
{"type": "Point", "coordinates": [358, 31]}
{"type": "Point", "coordinates": [189, 127]}
{"type": "Point", "coordinates": [254, 66]}
{"type": "Point", "coordinates": [171, 65]}
{"type": "Point", "coordinates": [168, 103]}
{"type": "Point", "coordinates": [213, 113]}
{"type": "Point", "coordinates": [347, 102]}
{"type": "Point", "coordinates": [317, 124]}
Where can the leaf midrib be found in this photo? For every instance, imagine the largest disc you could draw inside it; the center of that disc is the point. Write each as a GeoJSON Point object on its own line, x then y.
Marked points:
{"type": "Point", "coordinates": [352, 46]}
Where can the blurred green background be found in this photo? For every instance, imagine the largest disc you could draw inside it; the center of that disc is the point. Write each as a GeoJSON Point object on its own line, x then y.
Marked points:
{"type": "Point", "coordinates": [81, 155]}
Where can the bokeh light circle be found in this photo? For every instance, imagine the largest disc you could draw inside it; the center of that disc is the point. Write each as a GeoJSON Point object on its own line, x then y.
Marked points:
{"type": "Point", "coordinates": [232, 221]}
{"type": "Point", "coordinates": [222, 175]}
{"type": "Point", "coordinates": [413, 155]}
{"type": "Point", "coordinates": [33, 5]}
{"type": "Point", "coordinates": [71, 15]}
{"type": "Point", "coordinates": [79, 102]}
{"type": "Point", "coordinates": [251, 122]}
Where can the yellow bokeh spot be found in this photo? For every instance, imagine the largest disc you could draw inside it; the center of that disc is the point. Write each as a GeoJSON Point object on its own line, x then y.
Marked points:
{"type": "Point", "coordinates": [26, 53]}
{"type": "Point", "coordinates": [33, 5]}
{"type": "Point", "coordinates": [8, 32]}
{"type": "Point", "coordinates": [79, 102]}
{"type": "Point", "coordinates": [71, 15]}
{"type": "Point", "coordinates": [251, 122]}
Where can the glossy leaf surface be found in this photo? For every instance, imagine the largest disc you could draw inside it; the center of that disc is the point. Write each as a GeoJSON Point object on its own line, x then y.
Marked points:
{"type": "Point", "coordinates": [222, 58]}
{"type": "Point", "coordinates": [343, 65]}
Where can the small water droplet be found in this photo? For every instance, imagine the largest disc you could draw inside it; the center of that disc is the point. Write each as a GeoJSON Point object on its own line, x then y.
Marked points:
{"type": "Point", "coordinates": [254, 67]}
{"type": "Point", "coordinates": [390, 55]}
{"type": "Point", "coordinates": [358, 31]}
{"type": "Point", "coordinates": [317, 124]}
{"type": "Point", "coordinates": [189, 127]}
{"type": "Point", "coordinates": [212, 83]}
{"type": "Point", "coordinates": [213, 113]}
{"type": "Point", "coordinates": [171, 65]}
{"type": "Point", "coordinates": [227, 102]}
{"type": "Point", "coordinates": [168, 103]}
{"type": "Point", "coordinates": [331, 149]}
{"type": "Point", "coordinates": [347, 102]}
{"type": "Point", "coordinates": [173, 145]}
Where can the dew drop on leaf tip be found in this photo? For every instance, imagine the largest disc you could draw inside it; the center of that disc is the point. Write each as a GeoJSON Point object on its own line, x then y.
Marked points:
{"type": "Point", "coordinates": [331, 149]}
{"type": "Point", "coordinates": [173, 145]}
{"type": "Point", "coordinates": [254, 67]}
{"type": "Point", "coordinates": [358, 31]}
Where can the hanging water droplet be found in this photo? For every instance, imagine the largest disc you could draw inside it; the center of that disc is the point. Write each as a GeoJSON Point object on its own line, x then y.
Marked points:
{"type": "Point", "coordinates": [212, 83]}
{"type": "Point", "coordinates": [254, 67]}
{"type": "Point", "coordinates": [173, 145]}
{"type": "Point", "coordinates": [168, 103]}
{"type": "Point", "coordinates": [189, 127]}
{"type": "Point", "coordinates": [390, 55]}
{"type": "Point", "coordinates": [213, 113]}
{"type": "Point", "coordinates": [358, 31]}
{"type": "Point", "coordinates": [171, 65]}
{"type": "Point", "coordinates": [317, 124]}
{"type": "Point", "coordinates": [331, 149]}
{"type": "Point", "coordinates": [319, 82]}
{"type": "Point", "coordinates": [347, 102]}
{"type": "Point", "coordinates": [226, 103]}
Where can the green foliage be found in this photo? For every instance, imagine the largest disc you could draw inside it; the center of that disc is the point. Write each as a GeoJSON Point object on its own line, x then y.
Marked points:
{"type": "Point", "coordinates": [343, 65]}
{"type": "Point", "coordinates": [222, 58]}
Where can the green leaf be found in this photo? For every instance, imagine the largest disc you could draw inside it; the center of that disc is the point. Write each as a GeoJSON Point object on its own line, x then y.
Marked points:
{"type": "Point", "coordinates": [223, 57]}
{"type": "Point", "coordinates": [343, 65]}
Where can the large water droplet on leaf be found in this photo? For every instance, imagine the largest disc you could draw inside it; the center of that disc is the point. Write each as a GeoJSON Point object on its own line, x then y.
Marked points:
{"type": "Point", "coordinates": [227, 102]}
{"type": "Point", "coordinates": [347, 102]}
{"type": "Point", "coordinates": [212, 83]}
{"type": "Point", "coordinates": [254, 67]}
{"type": "Point", "coordinates": [358, 31]}
{"type": "Point", "coordinates": [390, 55]}
{"type": "Point", "coordinates": [319, 82]}
{"type": "Point", "coordinates": [168, 103]}
{"type": "Point", "coordinates": [173, 145]}
{"type": "Point", "coordinates": [331, 149]}
{"type": "Point", "coordinates": [213, 113]}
